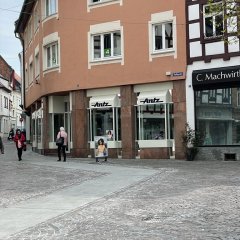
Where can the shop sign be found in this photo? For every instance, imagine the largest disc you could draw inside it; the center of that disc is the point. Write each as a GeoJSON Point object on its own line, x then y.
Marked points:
{"type": "Point", "coordinates": [216, 75]}
{"type": "Point", "coordinates": [150, 101]}
{"type": "Point", "coordinates": [101, 104]}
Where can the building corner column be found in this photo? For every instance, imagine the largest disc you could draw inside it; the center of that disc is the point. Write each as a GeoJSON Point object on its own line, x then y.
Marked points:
{"type": "Point", "coordinates": [128, 122]}
{"type": "Point", "coordinates": [79, 124]}
{"type": "Point", "coordinates": [179, 100]}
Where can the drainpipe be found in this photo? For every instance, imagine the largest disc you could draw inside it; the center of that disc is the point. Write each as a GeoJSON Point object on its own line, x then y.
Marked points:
{"type": "Point", "coordinates": [23, 100]}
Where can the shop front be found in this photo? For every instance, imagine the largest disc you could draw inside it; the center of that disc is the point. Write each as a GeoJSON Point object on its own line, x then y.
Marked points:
{"type": "Point", "coordinates": [155, 124]}
{"type": "Point", "coordinates": [104, 114]}
{"type": "Point", "coordinates": [217, 109]}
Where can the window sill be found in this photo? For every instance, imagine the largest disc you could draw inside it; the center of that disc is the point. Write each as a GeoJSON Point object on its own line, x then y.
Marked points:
{"type": "Point", "coordinates": [106, 61]}
{"type": "Point", "coordinates": [47, 18]}
{"type": "Point", "coordinates": [51, 69]}
{"type": "Point", "coordinates": [165, 53]}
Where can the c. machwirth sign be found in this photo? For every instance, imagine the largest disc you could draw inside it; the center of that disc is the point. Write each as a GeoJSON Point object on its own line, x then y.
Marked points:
{"type": "Point", "coordinates": [225, 77]}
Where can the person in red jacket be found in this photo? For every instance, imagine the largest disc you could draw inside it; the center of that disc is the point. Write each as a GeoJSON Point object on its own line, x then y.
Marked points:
{"type": "Point", "coordinates": [19, 139]}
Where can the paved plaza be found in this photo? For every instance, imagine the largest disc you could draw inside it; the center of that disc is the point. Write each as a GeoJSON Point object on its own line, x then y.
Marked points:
{"type": "Point", "coordinates": [41, 198]}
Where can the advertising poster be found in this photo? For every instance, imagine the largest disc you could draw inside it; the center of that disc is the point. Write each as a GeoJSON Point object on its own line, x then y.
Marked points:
{"type": "Point", "coordinates": [101, 146]}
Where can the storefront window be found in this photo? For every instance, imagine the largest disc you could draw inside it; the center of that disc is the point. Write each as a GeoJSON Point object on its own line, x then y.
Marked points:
{"type": "Point", "coordinates": [105, 122]}
{"type": "Point", "coordinates": [33, 129]}
{"type": "Point", "coordinates": [39, 129]}
{"type": "Point", "coordinates": [154, 121]}
{"type": "Point", "coordinates": [218, 116]}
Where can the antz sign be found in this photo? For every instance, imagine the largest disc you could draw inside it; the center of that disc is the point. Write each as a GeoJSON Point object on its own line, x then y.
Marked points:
{"type": "Point", "coordinates": [150, 100]}
{"type": "Point", "coordinates": [101, 104]}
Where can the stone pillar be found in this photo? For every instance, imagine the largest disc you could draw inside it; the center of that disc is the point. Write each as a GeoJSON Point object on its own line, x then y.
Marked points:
{"type": "Point", "coordinates": [45, 127]}
{"type": "Point", "coordinates": [179, 100]}
{"type": "Point", "coordinates": [128, 122]}
{"type": "Point", "coordinates": [79, 124]}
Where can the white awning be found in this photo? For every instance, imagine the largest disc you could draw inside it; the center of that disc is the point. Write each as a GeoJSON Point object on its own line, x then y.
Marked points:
{"type": "Point", "coordinates": [155, 97]}
{"type": "Point", "coordinates": [104, 101]}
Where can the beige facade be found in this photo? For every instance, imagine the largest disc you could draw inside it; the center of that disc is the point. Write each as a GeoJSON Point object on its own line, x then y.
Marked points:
{"type": "Point", "coordinates": [80, 55]}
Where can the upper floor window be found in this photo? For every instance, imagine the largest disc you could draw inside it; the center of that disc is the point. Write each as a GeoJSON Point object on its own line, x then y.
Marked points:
{"type": "Point", "coordinates": [37, 65]}
{"type": "Point", "coordinates": [36, 18]}
{"type": "Point", "coordinates": [5, 102]}
{"type": "Point", "coordinates": [106, 45]}
{"type": "Point", "coordinates": [31, 72]}
{"type": "Point", "coordinates": [51, 7]}
{"type": "Point", "coordinates": [163, 36]}
{"type": "Point", "coordinates": [213, 20]}
{"type": "Point", "coordinates": [52, 55]}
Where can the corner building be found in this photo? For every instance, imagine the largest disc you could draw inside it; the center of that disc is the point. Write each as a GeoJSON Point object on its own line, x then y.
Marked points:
{"type": "Point", "coordinates": [99, 65]}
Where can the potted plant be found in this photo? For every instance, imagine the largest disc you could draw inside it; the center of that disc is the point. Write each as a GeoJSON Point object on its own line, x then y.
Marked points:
{"type": "Point", "coordinates": [191, 139]}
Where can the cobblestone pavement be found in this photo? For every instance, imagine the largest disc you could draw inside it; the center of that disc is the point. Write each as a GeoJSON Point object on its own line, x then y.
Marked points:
{"type": "Point", "coordinates": [176, 200]}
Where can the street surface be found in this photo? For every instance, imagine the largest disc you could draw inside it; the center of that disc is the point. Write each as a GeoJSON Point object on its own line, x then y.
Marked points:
{"type": "Point", "coordinates": [121, 199]}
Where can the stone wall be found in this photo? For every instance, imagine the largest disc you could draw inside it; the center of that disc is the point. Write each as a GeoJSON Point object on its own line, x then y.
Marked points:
{"type": "Point", "coordinates": [219, 153]}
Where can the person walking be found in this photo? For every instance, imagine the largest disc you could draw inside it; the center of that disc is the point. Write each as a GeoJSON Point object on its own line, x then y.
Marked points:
{"type": "Point", "coordinates": [62, 147]}
{"type": "Point", "coordinates": [19, 139]}
{"type": "Point", "coordinates": [1, 145]}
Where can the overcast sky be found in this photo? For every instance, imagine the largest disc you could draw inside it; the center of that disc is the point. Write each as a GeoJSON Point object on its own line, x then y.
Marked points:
{"type": "Point", "coordinates": [10, 46]}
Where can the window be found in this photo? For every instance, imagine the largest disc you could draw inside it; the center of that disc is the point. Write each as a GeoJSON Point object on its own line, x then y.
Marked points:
{"type": "Point", "coordinates": [36, 18]}
{"type": "Point", "coordinates": [5, 102]}
{"type": "Point", "coordinates": [162, 36]}
{"type": "Point", "coordinates": [215, 96]}
{"type": "Point", "coordinates": [51, 55]}
{"type": "Point", "coordinates": [218, 120]}
{"type": "Point", "coordinates": [51, 7]}
{"type": "Point", "coordinates": [104, 120]}
{"type": "Point", "coordinates": [37, 65]}
{"type": "Point", "coordinates": [30, 72]}
{"type": "Point", "coordinates": [29, 31]}
{"type": "Point", "coordinates": [155, 121]}
{"type": "Point", "coordinates": [213, 21]}
{"type": "Point", "coordinates": [107, 45]}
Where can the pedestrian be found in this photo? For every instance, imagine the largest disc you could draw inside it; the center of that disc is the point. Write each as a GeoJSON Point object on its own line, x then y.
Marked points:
{"type": "Point", "coordinates": [101, 150]}
{"type": "Point", "coordinates": [19, 139]}
{"type": "Point", "coordinates": [1, 145]}
{"type": "Point", "coordinates": [62, 147]}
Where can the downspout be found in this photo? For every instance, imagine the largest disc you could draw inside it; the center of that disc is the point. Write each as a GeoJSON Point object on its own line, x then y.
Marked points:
{"type": "Point", "coordinates": [23, 73]}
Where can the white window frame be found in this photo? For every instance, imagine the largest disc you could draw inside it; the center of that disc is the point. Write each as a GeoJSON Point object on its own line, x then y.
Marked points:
{"type": "Point", "coordinates": [213, 15]}
{"type": "Point", "coordinates": [49, 11]}
{"type": "Point", "coordinates": [102, 50]}
{"type": "Point", "coordinates": [158, 19]}
{"type": "Point", "coordinates": [49, 48]}
{"type": "Point", "coordinates": [101, 29]}
{"type": "Point", "coordinates": [37, 65]}
{"type": "Point", "coordinates": [50, 40]}
{"type": "Point", "coordinates": [36, 17]}
{"type": "Point", "coordinates": [30, 72]}
{"type": "Point", "coordinates": [164, 48]}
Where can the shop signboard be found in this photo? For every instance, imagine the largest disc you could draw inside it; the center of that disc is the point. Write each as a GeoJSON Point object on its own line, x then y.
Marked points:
{"type": "Point", "coordinates": [216, 76]}
{"type": "Point", "coordinates": [101, 146]}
